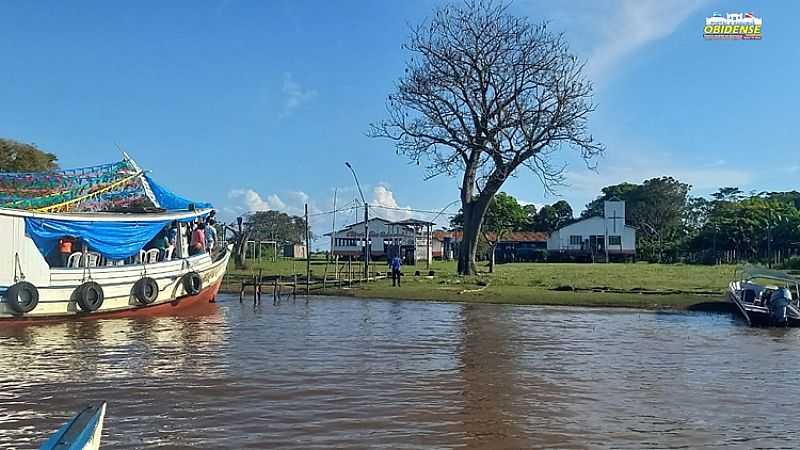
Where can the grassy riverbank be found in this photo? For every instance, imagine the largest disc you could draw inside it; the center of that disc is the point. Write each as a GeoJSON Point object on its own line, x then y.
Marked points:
{"type": "Point", "coordinates": [639, 285]}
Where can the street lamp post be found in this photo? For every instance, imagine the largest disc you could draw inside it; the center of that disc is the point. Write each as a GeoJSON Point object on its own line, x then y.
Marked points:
{"type": "Point", "coordinates": [366, 222]}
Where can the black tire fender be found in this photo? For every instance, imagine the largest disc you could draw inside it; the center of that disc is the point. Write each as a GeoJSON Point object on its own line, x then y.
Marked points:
{"type": "Point", "coordinates": [22, 297]}
{"type": "Point", "coordinates": [89, 296]}
{"type": "Point", "coordinates": [145, 290]}
{"type": "Point", "coordinates": [192, 283]}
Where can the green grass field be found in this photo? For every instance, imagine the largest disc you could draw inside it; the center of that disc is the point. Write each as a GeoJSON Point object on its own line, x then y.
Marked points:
{"type": "Point", "coordinates": [640, 285]}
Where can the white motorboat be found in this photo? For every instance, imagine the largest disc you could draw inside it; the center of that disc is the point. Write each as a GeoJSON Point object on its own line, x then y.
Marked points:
{"type": "Point", "coordinates": [766, 297]}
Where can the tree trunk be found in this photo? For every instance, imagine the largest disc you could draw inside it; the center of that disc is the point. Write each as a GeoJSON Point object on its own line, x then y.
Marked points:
{"type": "Point", "coordinates": [474, 212]}
{"type": "Point", "coordinates": [239, 249]}
{"type": "Point", "coordinates": [492, 248]}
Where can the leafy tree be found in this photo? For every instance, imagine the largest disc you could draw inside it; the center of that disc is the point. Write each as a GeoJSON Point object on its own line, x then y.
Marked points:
{"type": "Point", "coordinates": [484, 94]}
{"type": "Point", "coordinates": [658, 212]}
{"type": "Point", "coordinates": [530, 216]}
{"type": "Point", "coordinates": [277, 226]}
{"type": "Point", "coordinates": [504, 214]}
{"type": "Point", "coordinates": [18, 157]}
{"type": "Point", "coordinates": [553, 217]}
{"type": "Point", "coordinates": [728, 194]}
{"type": "Point", "coordinates": [750, 227]}
{"type": "Point", "coordinates": [623, 191]}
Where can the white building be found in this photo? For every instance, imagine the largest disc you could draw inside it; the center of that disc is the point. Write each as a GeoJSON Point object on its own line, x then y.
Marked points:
{"type": "Point", "coordinates": [587, 237]}
{"type": "Point", "coordinates": [411, 239]}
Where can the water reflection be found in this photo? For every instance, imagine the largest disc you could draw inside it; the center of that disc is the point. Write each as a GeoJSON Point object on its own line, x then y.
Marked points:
{"type": "Point", "coordinates": [345, 373]}
{"type": "Point", "coordinates": [49, 371]}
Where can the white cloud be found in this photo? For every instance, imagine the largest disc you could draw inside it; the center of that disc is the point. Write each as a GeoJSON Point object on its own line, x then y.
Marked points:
{"type": "Point", "coordinates": [295, 95]}
{"type": "Point", "coordinates": [635, 24]}
{"type": "Point", "coordinates": [383, 197]}
{"type": "Point", "coordinates": [608, 32]}
{"type": "Point", "coordinates": [247, 200]}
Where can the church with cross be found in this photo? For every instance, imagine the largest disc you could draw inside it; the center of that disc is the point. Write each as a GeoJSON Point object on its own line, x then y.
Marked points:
{"type": "Point", "coordinates": [605, 237]}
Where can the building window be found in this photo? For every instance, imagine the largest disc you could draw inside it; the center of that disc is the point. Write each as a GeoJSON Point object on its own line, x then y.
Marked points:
{"type": "Point", "coordinates": [615, 240]}
{"type": "Point", "coordinates": [575, 239]}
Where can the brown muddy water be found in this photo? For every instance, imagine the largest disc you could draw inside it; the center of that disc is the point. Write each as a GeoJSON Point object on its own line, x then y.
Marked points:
{"type": "Point", "coordinates": [348, 373]}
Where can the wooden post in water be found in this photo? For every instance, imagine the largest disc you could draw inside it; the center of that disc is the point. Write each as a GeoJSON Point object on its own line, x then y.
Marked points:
{"type": "Point", "coordinates": [259, 286]}
{"type": "Point", "coordinates": [255, 290]}
{"type": "Point", "coordinates": [294, 288]}
{"type": "Point", "coordinates": [241, 293]}
{"type": "Point", "coordinates": [275, 291]}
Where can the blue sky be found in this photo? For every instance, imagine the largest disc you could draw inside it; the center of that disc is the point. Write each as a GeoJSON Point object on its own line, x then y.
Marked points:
{"type": "Point", "coordinates": [258, 104]}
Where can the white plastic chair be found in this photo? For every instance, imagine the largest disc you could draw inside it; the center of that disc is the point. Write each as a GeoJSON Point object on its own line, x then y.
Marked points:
{"type": "Point", "coordinates": [151, 256]}
{"type": "Point", "coordinates": [92, 259]}
{"type": "Point", "coordinates": [168, 253]}
{"type": "Point", "coordinates": [74, 260]}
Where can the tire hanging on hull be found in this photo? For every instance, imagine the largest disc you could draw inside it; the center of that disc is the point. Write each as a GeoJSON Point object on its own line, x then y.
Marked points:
{"type": "Point", "coordinates": [89, 296]}
{"type": "Point", "coordinates": [22, 297]}
{"type": "Point", "coordinates": [145, 291]}
{"type": "Point", "coordinates": [192, 283]}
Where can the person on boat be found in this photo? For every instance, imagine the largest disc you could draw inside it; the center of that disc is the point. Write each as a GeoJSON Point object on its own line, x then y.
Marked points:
{"type": "Point", "coordinates": [211, 234]}
{"type": "Point", "coordinates": [162, 244]}
{"type": "Point", "coordinates": [197, 245]}
{"type": "Point", "coordinates": [172, 233]}
{"type": "Point", "coordinates": [65, 246]}
{"type": "Point", "coordinates": [394, 264]}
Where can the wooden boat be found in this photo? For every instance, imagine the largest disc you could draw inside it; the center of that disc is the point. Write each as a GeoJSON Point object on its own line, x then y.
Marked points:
{"type": "Point", "coordinates": [82, 432]}
{"type": "Point", "coordinates": [766, 297]}
{"type": "Point", "coordinates": [113, 273]}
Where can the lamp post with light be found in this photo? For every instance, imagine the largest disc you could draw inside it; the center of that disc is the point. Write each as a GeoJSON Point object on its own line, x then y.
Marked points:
{"type": "Point", "coordinates": [366, 222]}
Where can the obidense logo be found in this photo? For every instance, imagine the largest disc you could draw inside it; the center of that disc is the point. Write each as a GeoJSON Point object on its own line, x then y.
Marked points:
{"type": "Point", "coordinates": [735, 26]}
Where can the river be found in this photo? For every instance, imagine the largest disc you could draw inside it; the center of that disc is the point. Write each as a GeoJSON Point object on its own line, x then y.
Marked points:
{"type": "Point", "coordinates": [348, 373]}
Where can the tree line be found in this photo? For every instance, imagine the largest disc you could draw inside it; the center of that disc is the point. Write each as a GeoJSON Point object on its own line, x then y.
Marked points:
{"type": "Point", "coordinates": [672, 225]}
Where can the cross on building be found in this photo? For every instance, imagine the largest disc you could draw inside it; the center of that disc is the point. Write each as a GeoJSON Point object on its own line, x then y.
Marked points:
{"type": "Point", "coordinates": [614, 217]}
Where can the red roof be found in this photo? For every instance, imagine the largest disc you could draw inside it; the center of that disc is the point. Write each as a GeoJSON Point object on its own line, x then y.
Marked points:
{"type": "Point", "coordinates": [522, 236]}
{"type": "Point", "coordinates": [514, 236]}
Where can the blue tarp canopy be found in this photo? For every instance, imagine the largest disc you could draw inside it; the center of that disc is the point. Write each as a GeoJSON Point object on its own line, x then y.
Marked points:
{"type": "Point", "coordinates": [112, 239]}
{"type": "Point", "coordinates": [171, 201]}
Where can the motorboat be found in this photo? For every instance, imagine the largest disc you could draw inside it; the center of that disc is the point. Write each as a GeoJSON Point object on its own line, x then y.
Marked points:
{"type": "Point", "coordinates": [82, 432]}
{"type": "Point", "coordinates": [766, 297]}
{"type": "Point", "coordinates": [99, 242]}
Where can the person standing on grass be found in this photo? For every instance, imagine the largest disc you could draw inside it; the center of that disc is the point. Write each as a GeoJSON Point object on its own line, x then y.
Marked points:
{"type": "Point", "coordinates": [395, 264]}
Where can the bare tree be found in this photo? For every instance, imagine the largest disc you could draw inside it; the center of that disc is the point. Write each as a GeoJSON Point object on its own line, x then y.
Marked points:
{"type": "Point", "coordinates": [484, 94]}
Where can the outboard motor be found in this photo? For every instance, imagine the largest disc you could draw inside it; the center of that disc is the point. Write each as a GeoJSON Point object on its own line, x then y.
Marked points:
{"type": "Point", "coordinates": [778, 302]}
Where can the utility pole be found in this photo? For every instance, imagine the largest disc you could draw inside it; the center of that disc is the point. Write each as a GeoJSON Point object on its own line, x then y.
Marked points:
{"type": "Point", "coordinates": [333, 240]}
{"type": "Point", "coordinates": [366, 241]}
{"type": "Point", "coordinates": [308, 257]}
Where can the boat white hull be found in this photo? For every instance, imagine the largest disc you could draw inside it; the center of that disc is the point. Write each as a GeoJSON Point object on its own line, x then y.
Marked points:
{"type": "Point", "coordinates": [57, 300]}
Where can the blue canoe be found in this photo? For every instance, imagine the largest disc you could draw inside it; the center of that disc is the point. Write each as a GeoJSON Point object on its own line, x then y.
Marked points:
{"type": "Point", "coordinates": [82, 432]}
